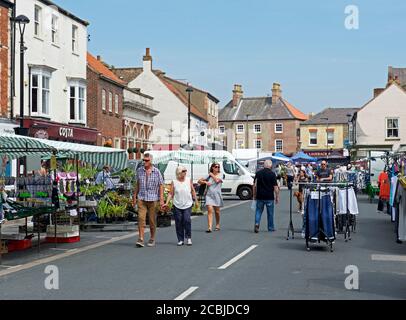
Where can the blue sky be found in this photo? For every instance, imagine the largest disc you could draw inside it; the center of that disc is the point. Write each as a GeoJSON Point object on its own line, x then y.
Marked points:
{"type": "Point", "coordinates": [214, 44]}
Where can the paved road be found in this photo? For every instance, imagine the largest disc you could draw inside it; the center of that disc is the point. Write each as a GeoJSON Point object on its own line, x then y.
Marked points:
{"type": "Point", "coordinates": [272, 268]}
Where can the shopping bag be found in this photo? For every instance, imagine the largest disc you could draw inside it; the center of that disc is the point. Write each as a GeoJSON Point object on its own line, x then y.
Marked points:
{"type": "Point", "coordinates": [254, 205]}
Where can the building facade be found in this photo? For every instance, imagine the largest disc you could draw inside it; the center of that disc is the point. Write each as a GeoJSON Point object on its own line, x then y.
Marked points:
{"type": "Point", "coordinates": [327, 133]}
{"type": "Point", "coordinates": [380, 124]}
{"type": "Point", "coordinates": [6, 101]}
{"type": "Point", "coordinates": [269, 124]}
{"type": "Point", "coordinates": [171, 124]}
{"type": "Point", "coordinates": [54, 73]}
{"type": "Point", "coordinates": [104, 103]}
{"type": "Point", "coordinates": [138, 122]}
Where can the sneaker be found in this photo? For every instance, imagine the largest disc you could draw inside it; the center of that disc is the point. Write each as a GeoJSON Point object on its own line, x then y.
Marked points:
{"type": "Point", "coordinates": [256, 229]}
{"type": "Point", "coordinates": [180, 243]}
{"type": "Point", "coordinates": [189, 242]}
{"type": "Point", "coordinates": [140, 244]}
{"type": "Point", "coordinates": [151, 243]}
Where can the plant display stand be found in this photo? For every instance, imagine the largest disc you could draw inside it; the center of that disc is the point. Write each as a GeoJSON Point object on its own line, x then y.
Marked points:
{"type": "Point", "coordinates": [67, 229]}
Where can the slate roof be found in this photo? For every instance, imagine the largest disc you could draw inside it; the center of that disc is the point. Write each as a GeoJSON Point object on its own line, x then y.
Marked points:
{"type": "Point", "coordinates": [260, 108]}
{"type": "Point", "coordinates": [129, 74]}
{"type": "Point", "coordinates": [334, 115]}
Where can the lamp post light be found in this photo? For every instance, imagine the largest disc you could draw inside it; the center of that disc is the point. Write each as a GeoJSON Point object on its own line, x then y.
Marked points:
{"type": "Point", "coordinates": [22, 21]}
{"type": "Point", "coordinates": [326, 136]}
{"type": "Point", "coordinates": [189, 91]}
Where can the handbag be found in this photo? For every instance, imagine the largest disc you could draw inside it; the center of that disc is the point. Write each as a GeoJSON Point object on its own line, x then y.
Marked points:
{"type": "Point", "coordinates": [203, 188]}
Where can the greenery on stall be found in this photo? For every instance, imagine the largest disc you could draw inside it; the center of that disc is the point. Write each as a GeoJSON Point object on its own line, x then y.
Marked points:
{"type": "Point", "coordinates": [93, 190]}
{"type": "Point", "coordinates": [113, 207]}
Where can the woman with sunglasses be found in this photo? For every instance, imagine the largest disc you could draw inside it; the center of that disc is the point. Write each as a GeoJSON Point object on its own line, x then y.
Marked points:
{"type": "Point", "coordinates": [183, 195]}
{"type": "Point", "coordinates": [214, 199]}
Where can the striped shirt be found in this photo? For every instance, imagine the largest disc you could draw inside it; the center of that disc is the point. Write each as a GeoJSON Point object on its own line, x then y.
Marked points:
{"type": "Point", "coordinates": [149, 185]}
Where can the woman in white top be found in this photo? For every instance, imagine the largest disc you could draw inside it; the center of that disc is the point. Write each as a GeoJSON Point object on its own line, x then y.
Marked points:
{"type": "Point", "coordinates": [183, 195]}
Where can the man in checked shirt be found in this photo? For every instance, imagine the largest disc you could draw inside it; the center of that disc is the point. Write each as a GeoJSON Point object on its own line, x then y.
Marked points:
{"type": "Point", "coordinates": [150, 194]}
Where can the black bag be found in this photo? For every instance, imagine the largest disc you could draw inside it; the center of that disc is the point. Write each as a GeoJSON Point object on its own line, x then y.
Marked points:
{"type": "Point", "coordinates": [380, 204]}
{"type": "Point", "coordinates": [203, 188]}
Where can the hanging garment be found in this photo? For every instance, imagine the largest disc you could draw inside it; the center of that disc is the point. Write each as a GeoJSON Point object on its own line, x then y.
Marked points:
{"type": "Point", "coordinates": [319, 217]}
{"type": "Point", "coordinates": [352, 202]}
{"type": "Point", "coordinates": [393, 185]}
{"type": "Point", "coordinates": [400, 200]}
{"type": "Point", "coordinates": [384, 186]}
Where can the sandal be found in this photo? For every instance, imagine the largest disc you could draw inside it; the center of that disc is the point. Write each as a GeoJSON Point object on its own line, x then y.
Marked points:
{"type": "Point", "coordinates": [217, 229]}
{"type": "Point", "coordinates": [208, 231]}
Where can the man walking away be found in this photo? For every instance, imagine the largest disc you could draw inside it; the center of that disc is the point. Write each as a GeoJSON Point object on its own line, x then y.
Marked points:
{"type": "Point", "coordinates": [266, 193]}
{"type": "Point", "coordinates": [150, 195]}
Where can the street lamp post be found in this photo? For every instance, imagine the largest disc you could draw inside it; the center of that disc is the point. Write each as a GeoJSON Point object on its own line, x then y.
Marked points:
{"type": "Point", "coordinates": [22, 21]}
{"type": "Point", "coordinates": [189, 91]}
{"type": "Point", "coordinates": [326, 136]}
{"type": "Point", "coordinates": [246, 131]}
{"type": "Point", "coordinates": [349, 116]}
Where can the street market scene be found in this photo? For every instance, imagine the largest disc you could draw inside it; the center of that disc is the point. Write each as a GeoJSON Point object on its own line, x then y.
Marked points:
{"type": "Point", "coordinates": [132, 183]}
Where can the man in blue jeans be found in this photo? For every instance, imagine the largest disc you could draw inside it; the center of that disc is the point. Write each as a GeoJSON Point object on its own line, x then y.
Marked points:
{"type": "Point", "coordinates": [266, 193]}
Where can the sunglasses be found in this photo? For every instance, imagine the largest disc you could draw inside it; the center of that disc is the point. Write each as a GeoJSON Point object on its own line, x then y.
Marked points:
{"type": "Point", "coordinates": [216, 167]}
{"type": "Point", "coordinates": [184, 171]}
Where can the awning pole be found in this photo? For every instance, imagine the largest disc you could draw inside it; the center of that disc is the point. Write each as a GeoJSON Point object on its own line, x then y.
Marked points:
{"type": "Point", "coordinates": [77, 189]}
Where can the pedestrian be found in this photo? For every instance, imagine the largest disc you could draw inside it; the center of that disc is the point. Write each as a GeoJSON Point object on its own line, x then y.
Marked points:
{"type": "Point", "coordinates": [150, 194]}
{"type": "Point", "coordinates": [3, 199]}
{"type": "Point", "coordinates": [104, 178]}
{"type": "Point", "coordinates": [183, 195]}
{"type": "Point", "coordinates": [301, 180]}
{"type": "Point", "coordinates": [290, 174]}
{"type": "Point", "coordinates": [266, 193]}
{"type": "Point", "coordinates": [214, 199]}
{"type": "Point", "coordinates": [324, 174]}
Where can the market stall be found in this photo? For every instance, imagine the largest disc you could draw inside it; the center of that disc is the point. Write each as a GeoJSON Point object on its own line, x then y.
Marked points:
{"type": "Point", "coordinates": [15, 147]}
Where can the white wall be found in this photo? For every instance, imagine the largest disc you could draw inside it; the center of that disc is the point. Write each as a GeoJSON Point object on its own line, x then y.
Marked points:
{"type": "Point", "coordinates": [371, 120]}
{"type": "Point", "coordinates": [41, 51]}
{"type": "Point", "coordinates": [173, 114]}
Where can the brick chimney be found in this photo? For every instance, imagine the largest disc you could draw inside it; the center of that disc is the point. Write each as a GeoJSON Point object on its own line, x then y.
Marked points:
{"type": "Point", "coordinates": [237, 94]}
{"type": "Point", "coordinates": [276, 93]}
{"type": "Point", "coordinates": [99, 58]}
{"type": "Point", "coordinates": [378, 91]}
{"type": "Point", "coordinates": [147, 61]}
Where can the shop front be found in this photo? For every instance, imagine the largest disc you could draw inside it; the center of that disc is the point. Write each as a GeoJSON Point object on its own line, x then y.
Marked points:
{"type": "Point", "coordinates": [49, 130]}
{"type": "Point", "coordinates": [334, 157]}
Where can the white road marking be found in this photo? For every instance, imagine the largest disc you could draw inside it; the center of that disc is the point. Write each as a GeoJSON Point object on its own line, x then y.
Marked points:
{"type": "Point", "coordinates": [386, 257]}
{"type": "Point", "coordinates": [10, 267]}
{"type": "Point", "coordinates": [59, 249]}
{"type": "Point", "coordinates": [235, 259]}
{"type": "Point", "coordinates": [187, 293]}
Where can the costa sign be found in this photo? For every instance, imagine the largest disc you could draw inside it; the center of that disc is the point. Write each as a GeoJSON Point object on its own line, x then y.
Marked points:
{"type": "Point", "coordinates": [66, 132]}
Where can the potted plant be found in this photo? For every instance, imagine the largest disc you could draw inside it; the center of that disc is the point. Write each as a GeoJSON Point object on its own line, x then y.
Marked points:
{"type": "Point", "coordinates": [102, 210]}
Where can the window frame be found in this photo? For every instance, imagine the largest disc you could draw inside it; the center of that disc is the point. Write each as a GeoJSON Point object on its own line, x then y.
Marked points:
{"type": "Point", "coordinates": [243, 128]}
{"type": "Point", "coordinates": [237, 141]}
{"type": "Point", "coordinates": [310, 138]}
{"type": "Point", "coordinates": [75, 35]}
{"type": "Point", "coordinates": [328, 139]}
{"type": "Point", "coordinates": [278, 124]}
{"type": "Point", "coordinates": [392, 128]}
{"type": "Point", "coordinates": [79, 113]}
{"type": "Point", "coordinates": [37, 21]}
{"type": "Point", "coordinates": [276, 145]}
{"type": "Point", "coordinates": [260, 128]}
{"type": "Point", "coordinates": [116, 100]}
{"type": "Point", "coordinates": [110, 102]}
{"type": "Point", "coordinates": [255, 144]}
{"type": "Point", "coordinates": [40, 74]}
{"type": "Point", "coordinates": [222, 131]}
{"type": "Point", "coordinates": [54, 29]}
{"type": "Point", "coordinates": [104, 99]}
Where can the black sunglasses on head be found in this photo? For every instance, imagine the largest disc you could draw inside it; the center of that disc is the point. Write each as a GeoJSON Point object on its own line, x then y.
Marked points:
{"type": "Point", "coordinates": [184, 171]}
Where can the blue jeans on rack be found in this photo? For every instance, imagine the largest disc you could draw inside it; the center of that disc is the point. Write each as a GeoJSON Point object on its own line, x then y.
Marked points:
{"type": "Point", "coordinates": [327, 218]}
{"type": "Point", "coordinates": [270, 210]}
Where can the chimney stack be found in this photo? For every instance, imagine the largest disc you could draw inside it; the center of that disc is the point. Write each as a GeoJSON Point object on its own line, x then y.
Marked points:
{"type": "Point", "coordinates": [237, 94]}
{"type": "Point", "coordinates": [276, 93]}
{"type": "Point", "coordinates": [99, 58]}
{"type": "Point", "coordinates": [378, 91]}
{"type": "Point", "coordinates": [147, 60]}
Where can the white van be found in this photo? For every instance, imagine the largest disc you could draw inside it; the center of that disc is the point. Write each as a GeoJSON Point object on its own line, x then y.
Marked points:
{"type": "Point", "coordinates": [237, 179]}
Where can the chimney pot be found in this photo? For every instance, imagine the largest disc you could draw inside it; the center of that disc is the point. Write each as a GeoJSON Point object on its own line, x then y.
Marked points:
{"type": "Point", "coordinates": [276, 92]}
{"type": "Point", "coordinates": [237, 94]}
{"type": "Point", "coordinates": [99, 58]}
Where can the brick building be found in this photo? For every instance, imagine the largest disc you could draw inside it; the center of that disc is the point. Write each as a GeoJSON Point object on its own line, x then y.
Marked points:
{"type": "Point", "coordinates": [104, 103]}
{"type": "Point", "coordinates": [273, 123]}
{"type": "Point", "coordinates": [5, 62]}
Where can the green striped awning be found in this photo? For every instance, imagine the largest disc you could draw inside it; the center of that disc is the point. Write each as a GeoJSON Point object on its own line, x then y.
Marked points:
{"type": "Point", "coordinates": [15, 146]}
